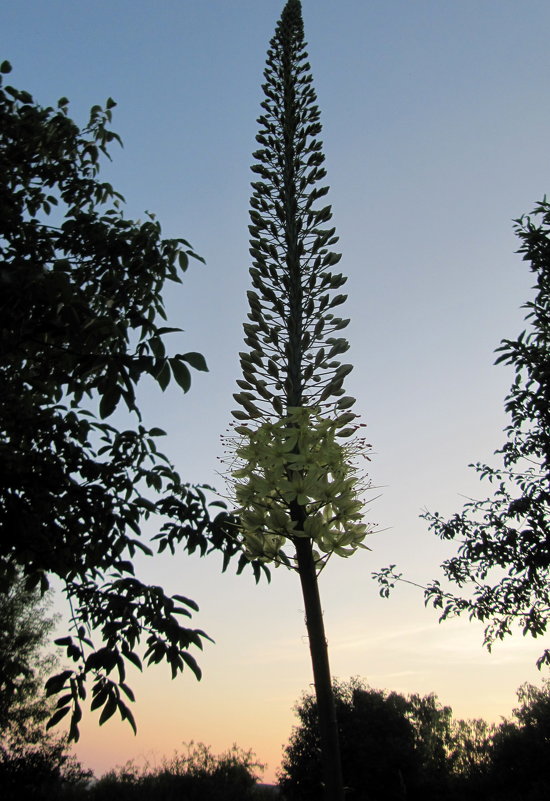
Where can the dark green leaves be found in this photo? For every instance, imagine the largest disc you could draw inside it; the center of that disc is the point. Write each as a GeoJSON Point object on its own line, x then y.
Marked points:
{"type": "Point", "coordinates": [57, 683]}
{"type": "Point", "coordinates": [109, 400]}
{"type": "Point", "coordinates": [181, 374]}
{"type": "Point", "coordinates": [57, 716]}
{"type": "Point", "coordinates": [109, 709]}
{"type": "Point", "coordinates": [196, 360]}
{"type": "Point", "coordinates": [503, 540]}
{"type": "Point", "coordinates": [83, 322]}
{"type": "Point", "coordinates": [164, 374]}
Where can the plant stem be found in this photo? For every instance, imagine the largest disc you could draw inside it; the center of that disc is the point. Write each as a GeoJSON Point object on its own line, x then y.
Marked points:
{"type": "Point", "coordinates": [328, 727]}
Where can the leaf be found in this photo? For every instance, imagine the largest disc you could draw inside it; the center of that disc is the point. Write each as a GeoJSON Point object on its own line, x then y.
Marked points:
{"type": "Point", "coordinates": [126, 714]}
{"type": "Point", "coordinates": [57, 716]}
{"type": "Point", "coordinates": [5, 67]}
{"type": "Point", "coordinates": [109, 401]}
{"type": "Point", "coordinates": [74, 734]}
{"type": "Point", "coordinates": [192, 663]}
{"type": "Point", "coordinates": [164, 375]}
{"type": "Point", "coordinates": [99, 698]}
{"type": "Point", "coordinates": [56, 683]}
{"type": "Point", "coordinates": [187, 601]}
{"type": "Point", "coordinates": [127, 691]}
{"type": "Point", "coordinates": [196, 360]}
{"type": "Point", "coordinates": [109, 709]}
{"type": "Point", "coordinates": [64, 641]}
{"type": "Point", "coordinates": [133, 658]}
{"type": "Point", "coordinates": [181, 374]}
{"type": "Point", "coordinates": [167, 330]}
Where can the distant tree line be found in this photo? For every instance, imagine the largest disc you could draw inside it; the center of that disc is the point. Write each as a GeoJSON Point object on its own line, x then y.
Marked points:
{"type": "Point", "coordinates": [394, 747]}
{"type": "Point", "coordinates": [195, 774]}
{"type": "Point", "coordinates": [397, 747]}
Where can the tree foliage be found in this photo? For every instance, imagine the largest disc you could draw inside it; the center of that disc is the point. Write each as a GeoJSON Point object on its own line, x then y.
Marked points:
{"type": "Point", "coordinates": [25, 628]}
{"type": "Point", "coordinates": [82, 322]}
{"type": "Point", "coordinates": [504, 540]}
{"type": "Point", "coordinates": [396, 747]}
{"type": "Point", "coordinates": [195, 774]}
{"type": "Point", "coordinates": [42, 771]}
{"type": "Point", "coordinates": [33, 764]}
{"type": "Point", "coordinates": [503, 560]}
{"type": "Point", "coordinates": [393, 746]}
{"type": "Point", "coordinates": [520, 756]}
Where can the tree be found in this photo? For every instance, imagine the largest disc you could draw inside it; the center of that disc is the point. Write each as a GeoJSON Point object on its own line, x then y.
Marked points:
{"type": "Point", "coordinates": [393, 746]}
{"type": "Point", "coordinates": [520, 764]}
{"type": "Point", "coordinates": [42, 771]}
{"type": "Point", "coordinates": [469, 757]}
{"type": "Point", "coordinates": [396, 747]}
{"type": "Point", "coordinates": [82, 322]}
{"type": "Point", "coordinates": [293, 480]}
{"type": "Point", "coordinates": [25, 628]}
{"type": "Point", "coordinates": [32, 764]}
{"type": "Point", "coordinates": [504, 540]}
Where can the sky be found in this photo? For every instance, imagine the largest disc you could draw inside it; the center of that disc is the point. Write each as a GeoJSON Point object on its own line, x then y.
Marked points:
{"type": "Point", "coordinates": [435, 127]}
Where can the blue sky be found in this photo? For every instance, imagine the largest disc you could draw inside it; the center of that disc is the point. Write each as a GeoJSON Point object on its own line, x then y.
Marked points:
{"type": "Point", "coordinates": [436, 122]}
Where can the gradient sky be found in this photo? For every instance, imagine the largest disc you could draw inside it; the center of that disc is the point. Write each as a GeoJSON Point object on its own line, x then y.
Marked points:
{"type": "Point", "coordinates": [436, 120]}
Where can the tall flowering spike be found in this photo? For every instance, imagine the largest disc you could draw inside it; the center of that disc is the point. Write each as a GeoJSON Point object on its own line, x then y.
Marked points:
{"type": "Point", "coordinates": [292, 333]}
{"type": "Point", "coordinates": [293, 480]}
{"type": "Point", "coordinates": [288, 485]}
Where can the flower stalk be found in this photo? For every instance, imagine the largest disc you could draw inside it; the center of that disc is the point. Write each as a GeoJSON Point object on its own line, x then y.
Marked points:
{"type": "Point", "coordinates": [293, 471]}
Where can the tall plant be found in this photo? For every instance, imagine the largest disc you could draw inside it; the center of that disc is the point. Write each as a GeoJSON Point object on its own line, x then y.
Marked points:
{"type": "Point", "coordinates": [294, 478]}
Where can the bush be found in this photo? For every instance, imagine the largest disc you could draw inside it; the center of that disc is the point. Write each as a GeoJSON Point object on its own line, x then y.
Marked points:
{"type": "Point", "coordinates": [197, 775]}
{"type": "Point", "coordinates": [43, 771]}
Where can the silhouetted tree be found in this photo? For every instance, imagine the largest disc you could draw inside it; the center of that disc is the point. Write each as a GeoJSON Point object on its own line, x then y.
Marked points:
{"type": "Point", "coordinates": [520, 758]}
{"type": "Point", "coordinates": [294, 481]}
{"type": "Point", "coordinates": [469, 755]}
{"type": "Point", "coordinates": [33, 765]}
{"type": "Point", "coordinates": [81, 322]}
{"type": "Point", "coordinates": [504, 541]}
{"type": "Point", "coordinates": [44, 770]}
{"type": "Point", "coordinates": [25, 627]}
{"type": "Point", "coordinates": [393, 747]}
